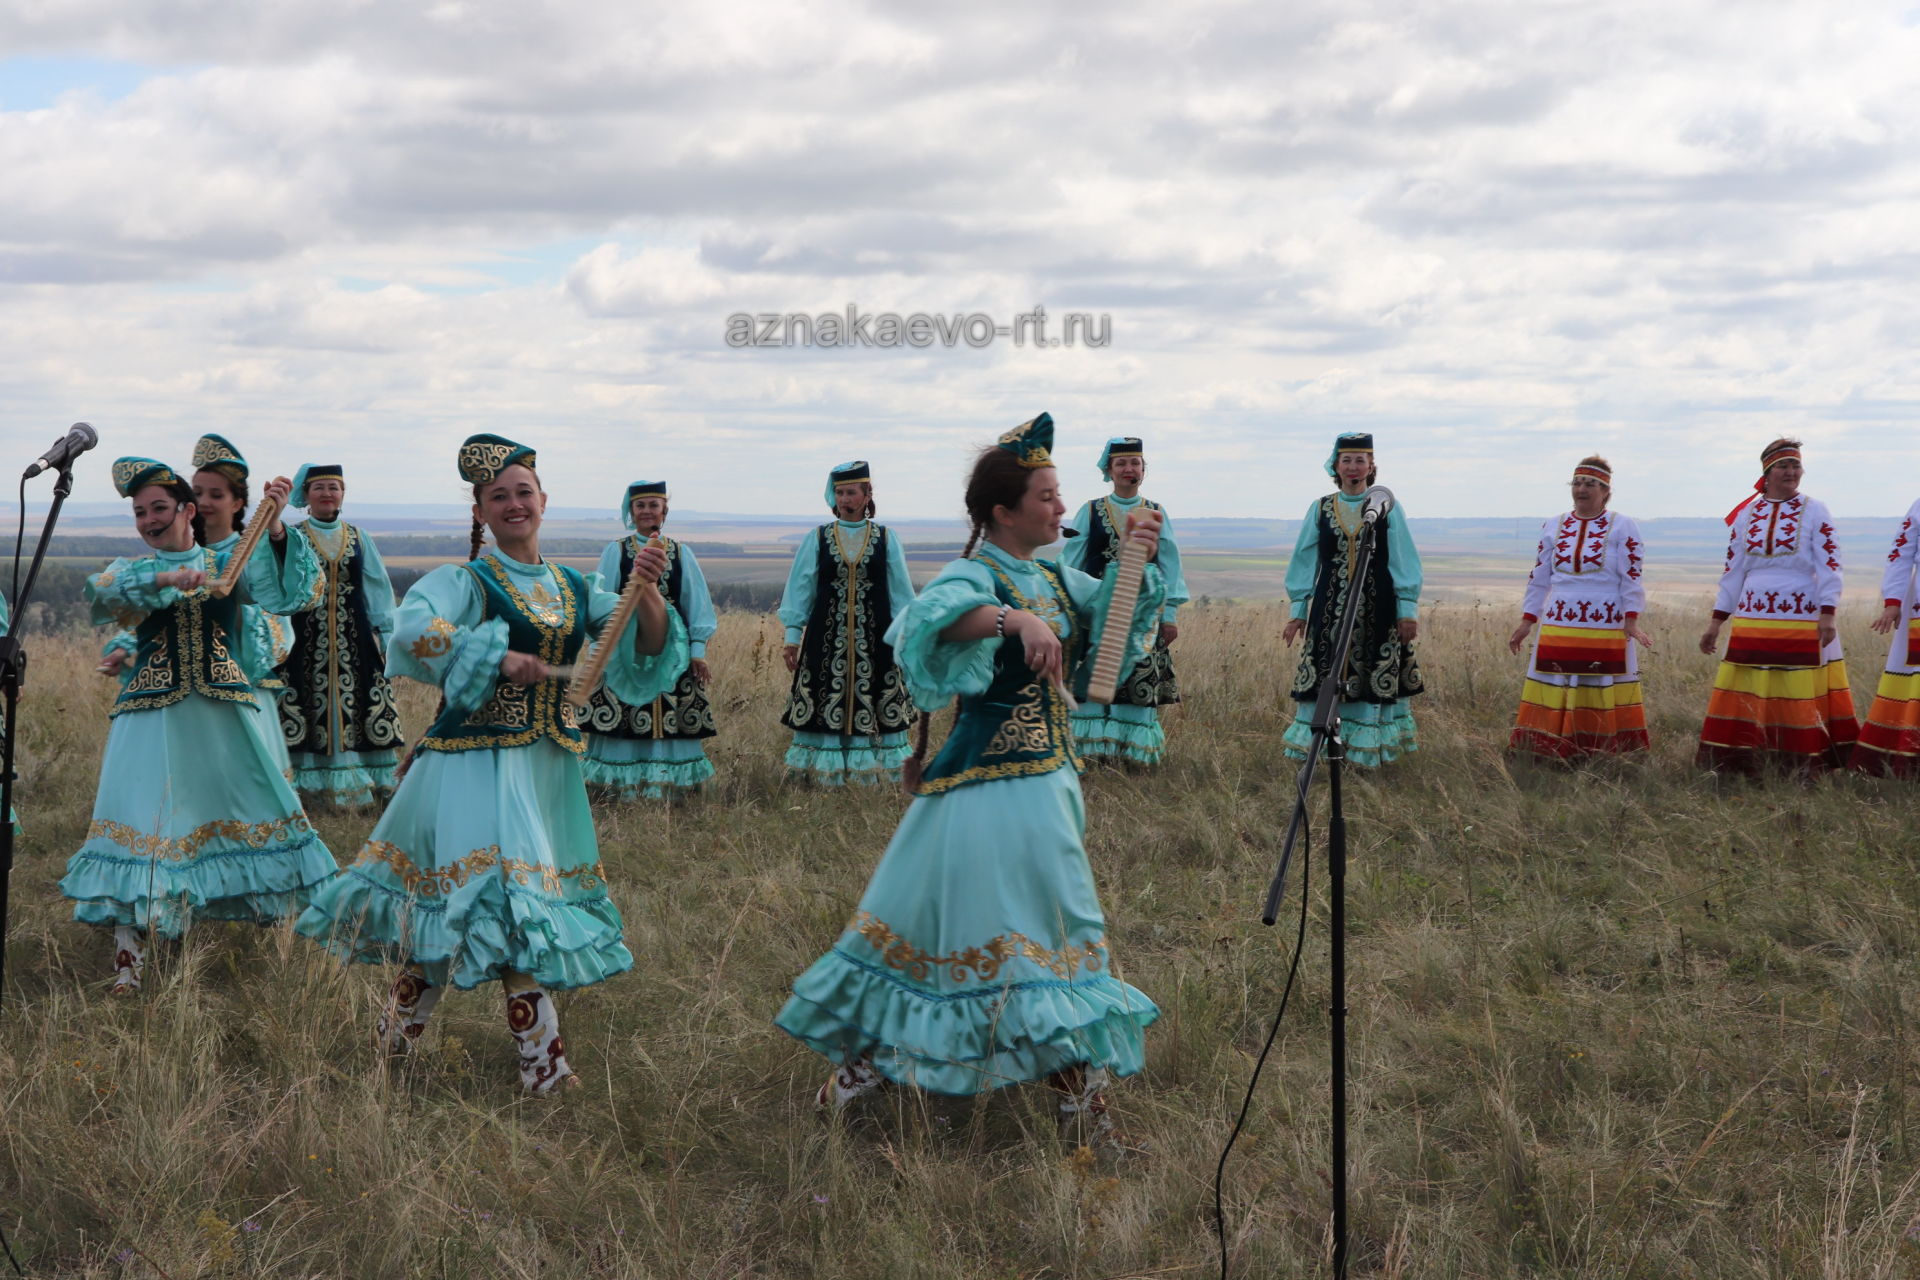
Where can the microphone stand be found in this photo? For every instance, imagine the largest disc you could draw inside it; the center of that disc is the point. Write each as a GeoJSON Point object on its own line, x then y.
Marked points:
{"type": "Point", "coordinates": [13, 670]}
{"type": "Point", "coordinates": [1326, 737]}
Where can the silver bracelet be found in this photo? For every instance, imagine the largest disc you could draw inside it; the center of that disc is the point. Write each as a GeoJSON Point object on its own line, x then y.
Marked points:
{"type": "Point", "coordinates": [1000, 623]}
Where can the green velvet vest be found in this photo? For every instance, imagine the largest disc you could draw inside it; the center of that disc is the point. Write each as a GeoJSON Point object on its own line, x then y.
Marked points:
{"type": "Point", "coordinates": [187, 647]}
{"type": "Point", "coordinates": [552, 628]}
{"type": "Point", "coordinates": [1019, 727]}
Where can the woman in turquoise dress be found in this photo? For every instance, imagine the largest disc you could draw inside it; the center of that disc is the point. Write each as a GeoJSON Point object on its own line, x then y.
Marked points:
{"type": "Point", "coordinates": [1375, 720]}
{"type": "Point", "coordinates": [1128, 728]}
{"type": "Point", "coordinates": [978, 956]}
{"type": "Point", "coordinates": [193, 819]}
{"type": "Point", "coordinates": [220, 479]}
{"type": "Point", "coordinates": [848, 705]}
{"type": "Point", "coordinates": [485, 866]}
{"type": "Point", "coordinates": [656, 749]}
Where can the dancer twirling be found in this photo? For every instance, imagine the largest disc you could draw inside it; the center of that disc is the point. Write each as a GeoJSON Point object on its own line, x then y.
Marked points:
{"type": "Point", "coordinates": [485, 865]}
{"type": "Point", "coordinates": [1582, 695]}
{"type": "Point", "coordinates": [1129, 727]}
{"type": "Point", "coordinates": [978, 956]}
{"type": "Point", "coordinates": [848, 708]}
{"type": "Point", "coordinates": [193, 819]}
{"type": "Point", "coordinates": [655, 749]}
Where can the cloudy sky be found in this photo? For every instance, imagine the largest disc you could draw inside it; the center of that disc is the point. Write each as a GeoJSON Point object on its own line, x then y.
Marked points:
{"type": "Point", "coordinates": [1498, 235]}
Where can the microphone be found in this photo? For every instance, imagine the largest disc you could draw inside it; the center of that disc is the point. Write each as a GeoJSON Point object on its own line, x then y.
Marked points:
{"type": "Point", "coordinates": [1379, 502]}
{"type": "Point", "coordinates": [79, 438]}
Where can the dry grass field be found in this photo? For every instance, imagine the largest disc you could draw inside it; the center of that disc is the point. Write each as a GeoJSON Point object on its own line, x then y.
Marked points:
{"type": "Point", "coordinates": [1625, 1021]}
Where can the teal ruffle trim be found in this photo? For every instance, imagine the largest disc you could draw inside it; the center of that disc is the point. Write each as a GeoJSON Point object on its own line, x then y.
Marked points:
{"type": "Point", "coordinates": [347, 785]}
{"type": "Point", "coordinates": [971, 1042]}
{"type": "Point", "coordinates": [112, 886]}
{"type": "Point", "coordinates": [498, 929]}
{"type": "Point", "coordinates": [646, 779]}
{"type": "Point", "coordinates": [1109, 737]}
{"type": "Point", "coordinates": [475, 668]}
{"type": "Point", "coordinates": [837, 766]}
{"type": "Point", "coordinates": [1372, 740]}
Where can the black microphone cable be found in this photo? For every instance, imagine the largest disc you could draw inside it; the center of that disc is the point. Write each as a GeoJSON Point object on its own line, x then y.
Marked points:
{"type": "Point", "coordinates": [1246, 1104]}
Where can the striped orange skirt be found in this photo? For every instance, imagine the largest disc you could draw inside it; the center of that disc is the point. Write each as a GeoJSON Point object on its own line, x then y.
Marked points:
{"type": "Point", "coordinates": [1798, 717]}
{"type": "Point", "coordinates": [1566, 721]}
{"type": "Point", "coordinates": [1581, 651]}
{"type": "Point", "coordinates": [1889, 744]}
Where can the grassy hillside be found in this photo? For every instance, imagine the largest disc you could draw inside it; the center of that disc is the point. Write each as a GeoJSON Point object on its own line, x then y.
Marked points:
{"type": "Point", "coordinates": [1618, 1022]}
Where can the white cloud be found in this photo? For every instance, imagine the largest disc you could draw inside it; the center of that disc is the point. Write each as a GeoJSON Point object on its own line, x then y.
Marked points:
{"type": "Point", "coordinates": [1494, 232]}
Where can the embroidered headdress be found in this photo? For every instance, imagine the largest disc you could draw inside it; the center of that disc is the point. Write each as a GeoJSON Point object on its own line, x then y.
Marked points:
{"type": "Point", "coordinates": [1120, 447]}
{"type": "Point", "coordinates": [216, 453]}
{"type": "Point", "coordinates": [844, 474]}
{"type": "Point", "coordinates": [484, 457]}
{"type": "Point", "coordinates": [1779, 451]}
{"type": "Point", "coordinates": [309, 472]}
{"type": "Point", "coordinates": [131, 475]}
{"type": "Point", "coordinates": [1031, 442]}
{"type": "Point", "coordinates": [1595, 469]}
{"type": "Point", "coordinates": [1352, 442]}
{"type": "Point", "coordinates": [638, 489]}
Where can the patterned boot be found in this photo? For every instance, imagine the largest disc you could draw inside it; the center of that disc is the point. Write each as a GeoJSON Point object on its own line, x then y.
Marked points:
{"type": "Point", "coordinates": [409, 1004]}
{"type": "Point", "coordinates": [849, 1080]}
{"type": "Point", "coordinates": [1083, 1107]}
{"type": "Point", "coordinates": [129, 960]}
{"type": "Point", "coordinates": [536, 1029]}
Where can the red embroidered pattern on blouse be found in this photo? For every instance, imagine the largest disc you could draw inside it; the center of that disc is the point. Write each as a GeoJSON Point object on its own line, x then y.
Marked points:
{"type": "Point", "coordinates": [1900, 541]}
{"type": "Point", "coordinates": [1586, 613]}
{"type": "Point", "coordinates": [1773, 528]}
{"type": "Point", "coordinates": [1578, 544]}
{"type": "Point", "coordinates": [1782, 604]}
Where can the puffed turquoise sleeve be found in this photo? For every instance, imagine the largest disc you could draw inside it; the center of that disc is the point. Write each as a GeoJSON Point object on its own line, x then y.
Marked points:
{"type": "Point", "coordinates": [608, 570]}
{"type": "Point", "coordinates": [697, 601]}
{"type": "Point", "coordinates": [1073, 554]}
{"type": "Point", "coordinates": [1092, 598]}
{"type": "Point", "coordinates": [281, 577]}
{"type": "Point", "coordinates": [899, 580]}
{"type": "Point", "coordinates": [257, 645]}
{"type": "Point", "coordinates": [1403, 561]}
{"type": "Point", "coordinates": [125, 592]}
{"type": "Point", "coordinates": [441, 635]}
{"type": "Point", "coordinates": [1169, 562]}
{"type": "Point", "coordinates": [1305, 565]}
{"type": "Point", "coordinates": [937, 670]}
{"type": "Point", "coordinates": [796, 602]}
{"type": "Point", "coordinates": [378, 588]}
{"type": "Point", "coordinates": [632, 676]}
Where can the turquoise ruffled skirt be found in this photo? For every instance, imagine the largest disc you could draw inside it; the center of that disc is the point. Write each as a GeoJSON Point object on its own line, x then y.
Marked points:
{"type": "Point", "coordinates": [1118, 731]}
{"type": "Point", "coordinates": [348, 778]}
{"type": "Point", "coordinates": [1375, 733]}
{"type": "Point", "coordinates": [194, 821]}
{"type": "Point", "coordinates": [485, 862]}
{"type": "Point", "coordinates": [978, 956]}
{"type": "Point", "coordinates": [645, 768]}
{"type": "Point", "coordinates": [871, 759]}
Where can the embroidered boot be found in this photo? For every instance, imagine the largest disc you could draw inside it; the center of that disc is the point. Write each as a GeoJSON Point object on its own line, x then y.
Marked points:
{"type": "Point", "coordinates": [409, 1004]}
{"type": "Point", "coordinates": [535, 1024]}
{"type": "Point", "coordinates": [1083, 1107]}
{"type": "Point", "coordinates": [129, 960]}
{"type": "Point", "coordinates": [852, 1078]}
